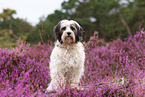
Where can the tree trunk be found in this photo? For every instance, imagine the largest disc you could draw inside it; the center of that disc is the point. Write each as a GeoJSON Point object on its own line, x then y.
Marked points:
{"type": "Point", "coordinates": [125, 24]}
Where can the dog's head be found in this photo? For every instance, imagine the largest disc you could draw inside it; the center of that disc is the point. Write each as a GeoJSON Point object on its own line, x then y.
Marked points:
{"type": "Point", "coordinates": [68, 31]}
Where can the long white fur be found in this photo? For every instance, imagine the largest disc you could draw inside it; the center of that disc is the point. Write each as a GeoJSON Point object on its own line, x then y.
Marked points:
{"type": "Point", "coordinates": [66, 64]}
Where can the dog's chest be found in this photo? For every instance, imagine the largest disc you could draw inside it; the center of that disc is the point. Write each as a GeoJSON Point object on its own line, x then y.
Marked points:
{"type": "Point", "coordinates": [69, 57]}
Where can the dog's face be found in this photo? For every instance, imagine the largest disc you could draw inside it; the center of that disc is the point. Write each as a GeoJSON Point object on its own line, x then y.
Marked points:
{"type": "Point", "coordinates": [68, 32]}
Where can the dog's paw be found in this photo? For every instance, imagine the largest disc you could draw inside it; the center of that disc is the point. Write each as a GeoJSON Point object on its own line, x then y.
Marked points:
{"type": "Point", "coordinates": [50, 90]}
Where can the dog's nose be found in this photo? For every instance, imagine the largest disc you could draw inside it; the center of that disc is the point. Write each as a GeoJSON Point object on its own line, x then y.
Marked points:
{"type": "Point", "coordinates": [68, 33]}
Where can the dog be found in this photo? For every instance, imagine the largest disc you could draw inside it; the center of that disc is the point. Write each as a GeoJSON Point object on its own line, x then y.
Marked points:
{"type": "Point", "coordinates": [68, 56]}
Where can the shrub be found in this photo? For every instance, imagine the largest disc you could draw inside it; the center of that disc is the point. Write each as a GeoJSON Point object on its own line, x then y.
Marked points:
{"type": "Point", "coordinates": [113, 70]}
{"type": "Point", "coordinates": [119, 59]}
{"type": "Point", "coordinates": [24, 70]}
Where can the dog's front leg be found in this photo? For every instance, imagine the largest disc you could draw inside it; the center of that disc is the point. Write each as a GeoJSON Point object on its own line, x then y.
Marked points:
{"type": "Point", "coordinates": [57, 83]}
{"type": "Point", "coordinates": [76, 76]}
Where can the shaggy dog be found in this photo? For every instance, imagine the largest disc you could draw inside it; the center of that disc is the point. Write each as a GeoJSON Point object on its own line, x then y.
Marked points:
{"type": "Point", "coordinates": [68, 56]}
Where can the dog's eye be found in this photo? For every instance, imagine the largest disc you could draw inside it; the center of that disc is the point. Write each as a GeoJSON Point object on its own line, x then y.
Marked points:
{"type": "Point", "coordinates": [63, 28]}
{"type": "Point", "coordinates": [72, 28]}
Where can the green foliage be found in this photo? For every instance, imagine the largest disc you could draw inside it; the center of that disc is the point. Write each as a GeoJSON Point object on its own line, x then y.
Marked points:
{"type": "Point", "coordinates": [21, 28]}
{"type": "Point", "coordinates": [44, 29]}
{"type": "Point", "coordinates": [138, 20]}
{"type": "Point", "coordinates": [6, 39]}
{"type": "Point", "coordinates": [111, 19]}
{"type": "Point", "coordinates": [101, 16]}
{"type": "Point", "coordinates": [7, 14]}
{"type": "Point", "coordinates": [9, 27]}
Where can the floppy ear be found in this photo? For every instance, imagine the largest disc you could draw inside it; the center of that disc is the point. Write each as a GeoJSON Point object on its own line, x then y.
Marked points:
{"type": "Point", "coordinates": [57, 32]}
{"type": "Point", "coordinates": [79, 33]}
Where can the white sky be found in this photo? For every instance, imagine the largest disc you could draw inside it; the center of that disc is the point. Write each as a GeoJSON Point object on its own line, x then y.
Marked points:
{"type": "Point", "coordinates": [31, 10]}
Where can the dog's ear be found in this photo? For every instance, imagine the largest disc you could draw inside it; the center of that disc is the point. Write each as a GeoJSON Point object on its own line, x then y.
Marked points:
{"type": "Point", "coordinates": [79, 33]}
{"type": "Point", "coordinates": [57, 32]}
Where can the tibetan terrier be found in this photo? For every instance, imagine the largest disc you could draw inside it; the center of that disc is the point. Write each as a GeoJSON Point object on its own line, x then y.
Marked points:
{"type": "Point", "coordinates": [68, 56]}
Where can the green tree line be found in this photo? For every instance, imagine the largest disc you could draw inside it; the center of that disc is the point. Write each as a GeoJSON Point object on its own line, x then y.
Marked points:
{"type": "Point", "coordinates": [110, 19]}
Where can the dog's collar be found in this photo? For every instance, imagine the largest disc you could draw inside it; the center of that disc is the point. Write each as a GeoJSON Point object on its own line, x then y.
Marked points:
{"type": "Point", "coordinates": [65, 46]}
{"type": "Point", "coordinates": [60, 46]}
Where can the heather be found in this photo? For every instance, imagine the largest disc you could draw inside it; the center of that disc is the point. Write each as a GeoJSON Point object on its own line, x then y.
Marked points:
{"type": "Point", "coordinates": [117, 69]}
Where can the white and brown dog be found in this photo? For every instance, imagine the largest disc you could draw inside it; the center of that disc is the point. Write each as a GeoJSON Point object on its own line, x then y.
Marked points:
{"type": "Point", "coordinates": [68, 56]}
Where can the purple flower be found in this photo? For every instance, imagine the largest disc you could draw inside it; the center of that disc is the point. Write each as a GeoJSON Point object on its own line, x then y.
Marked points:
{"type": "Point", "coordinates": [116, 69]}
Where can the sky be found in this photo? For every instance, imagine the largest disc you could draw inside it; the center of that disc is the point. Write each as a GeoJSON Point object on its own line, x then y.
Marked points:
{"type": "Point", "coordinates": [31, 10]}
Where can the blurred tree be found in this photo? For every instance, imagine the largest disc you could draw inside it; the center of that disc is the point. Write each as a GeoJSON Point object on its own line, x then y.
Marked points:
{"type": "Point", "coordinates": [6, 39]}
{"type": "Point", "coordinates": [9, 27]}
{"type": "Point", "coordinates": [44, 29]}
{"type": "Point", "coordinates": [6, 15]}
{"type": "Point", "coordinates": [108, 18]}
{"type": "Point", "coordinates": [138, 20]}
{"type": "Point", "coordinates": [93, 16]}
{"type": "Point", "coordinates": [21, 28]}
{"type": "Point", "coordinates": [111, 19]}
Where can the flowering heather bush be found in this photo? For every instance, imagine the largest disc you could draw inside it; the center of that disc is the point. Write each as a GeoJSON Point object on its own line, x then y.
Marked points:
{"type": "Point", "coordinates": [117, 69]}
{"type": "Point", "coordinates": [24, 70]}
{"type": "Point", "coordinates": [120, 59]}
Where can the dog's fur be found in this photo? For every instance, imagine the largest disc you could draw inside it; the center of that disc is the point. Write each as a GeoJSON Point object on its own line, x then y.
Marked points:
{"type": "Point", "coordinates": [68, 56]}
